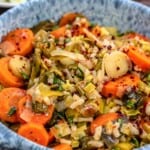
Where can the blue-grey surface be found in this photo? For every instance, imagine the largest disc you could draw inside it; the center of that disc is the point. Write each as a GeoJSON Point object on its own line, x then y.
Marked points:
{"type": "Point", "coordinates": [123, 14]}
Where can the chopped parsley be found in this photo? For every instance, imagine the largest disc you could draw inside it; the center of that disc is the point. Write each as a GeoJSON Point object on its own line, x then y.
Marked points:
{"type": "Point", "coordinates": [38, 107]}
{"type": "Point", "coordinates": [130, 103]}
{"type": "Point", "coordinates": [135, 142]}
{"type": "Point", "coordinates": [58, 82]}
{"type": "Point", "coordinates": [70, 119]}
{"type": "Point", "coordinates": [67, 40]}
{"type": "Point", "coordinates": [79, 73]}
{"type": "Point", "coordinates": [24, 76]}
{"type": "Point", "coordinates": [12, 111]}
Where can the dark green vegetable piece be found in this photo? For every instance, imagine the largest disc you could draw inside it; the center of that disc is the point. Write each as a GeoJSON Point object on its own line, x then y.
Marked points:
{"type": "Point", "coordinates": [135, 141]}
{"type": "Point", "coordinates": [58, 82]}
{"type": "Point", "coordinates": [38, 107]}
{"type": "Point", "coordinates": [133, 99]}
{"type": "Point", "coordinates": [37, 60]}
{"type": "Point", "coordinates": [36, 65]}
{"type": "Point", "coordinates": [67, 40]}
{"type": "Point", "coordinates": [121, 121]}
{"type": "Point", "coordinates": [92, 25]}
{"type": "Point", "coordinates": [79, 73]}
{"type": "Point", "coordinates": [125, 33]}
{"type": "Point", "coordinates": [12, 111]}
{"type": "Point", "coordinates": [32, 76]}
{"type": "Point", "coordinates": [24, 75]}
{"type": "Point", "coordinates": [84, 143]}
{"type": "Point", "coordinates": [99, 64]}
{"type": "Point", "coordinates": [131, 103]}
{"type": "Point", "coordinates": [45, 25]}
{"type": "Point", "coordinates": [148, 77]}
{"type": "Point", "coordinates": [116, 148]}
{"type": "Point", "coordinates": [55, 27]}
{"type": "Point", "coordinates": [61, 115]}
{"type": "Point", "coordinates": [70, 119]}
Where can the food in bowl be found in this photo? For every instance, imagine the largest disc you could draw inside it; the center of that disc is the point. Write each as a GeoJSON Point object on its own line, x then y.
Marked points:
{"type": "Point", "coordinates": [73, 84]}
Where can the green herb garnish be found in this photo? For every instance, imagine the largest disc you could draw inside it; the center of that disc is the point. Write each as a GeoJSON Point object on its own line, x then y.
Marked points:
{"type": "Point", "coordinates": [79, 73]}
{"type": "Point", "coordinates": [67, 40]}
{"type": "Point", "coordinates": [57, 81]}
{"type": "Point", "coordinates": [25, 76]}
{"type": "Point", "coordinates": [38, 107]}
{"type": "Point", "coordinates": [92, 25]}
{"type": "Point", "coordinates": [12, 111]}
{"type": "Point", "coordinates": [135, 142]}
{"type": "Point", "coordinates": [55, 27]}
{"type": "Point", "coordinates": [61, 115]}
{"type": "Point", "coordinates": [130, 103]}
{"type": "Point", "coordinates": [70, 119]}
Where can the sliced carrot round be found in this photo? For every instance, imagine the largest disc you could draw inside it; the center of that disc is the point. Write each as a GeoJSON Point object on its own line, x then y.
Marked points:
{"type": "Point", "coordinates": [139, 59]}
{"type": "Point", "coordinates": [60, 32]}
{"type": "Point", "coordinates": [62, 147]}
{"type": "Point", "coordinates": [9, 98]}
{"type": "Point", "coordinates": [18, 42]}
{"type": "Point", "coordinates": [34, 132]}
{"type": "Point", "coordinates": [68, 18]}
{"type": "Point", "coordinates": [103, 120]}
{"type": "Point", "coordinates": [6, 77]}
{"type": "Point", "coordinates": [25, 113]}
{"type": "Point", "coordinates": [117, 87]}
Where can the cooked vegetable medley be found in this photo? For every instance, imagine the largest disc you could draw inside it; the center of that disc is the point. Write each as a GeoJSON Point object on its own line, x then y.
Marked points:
{"type": "Point", "coordinates": [74, 85]}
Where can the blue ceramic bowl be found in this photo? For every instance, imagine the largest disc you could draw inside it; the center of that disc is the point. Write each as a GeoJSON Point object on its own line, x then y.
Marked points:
{"type": "Point", "coordinates": [123, 14]}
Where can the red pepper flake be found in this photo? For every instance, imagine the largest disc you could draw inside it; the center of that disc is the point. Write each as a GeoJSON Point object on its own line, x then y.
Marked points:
{"type": "Point", "coordinates": [18, 48]}
{"type": "Point", "coordinates": [118, 68]}
{"type": "Point", "coordinates": [17, 43]}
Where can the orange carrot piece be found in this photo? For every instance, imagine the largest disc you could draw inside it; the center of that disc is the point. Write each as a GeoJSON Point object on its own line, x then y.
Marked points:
{"type": "Point", "coordinates": [9, 98]}
{"type": "Point", "coordinates": [62, 147]}
{"type": "Point", "coordinates": [51, 137]}
{"type": "Point", "coordinates": [68, 18]}
{"type": "Point", "coordinates": [117, 88]}
{"type": "Point", "coordinates": [18, 42]}
{"type": "Point", "coordinates": [34, 132]}
{"type": "Point", "coordinates": [103, 120]}
{"type": "Point", "coordinates": [6, 77]}
{"type": "Point", "coordinates": [25, 114]}
{"type": "Point", "coordinates": [60, 32]}
{"type": "Point", "coordinates": [76, 31]}
{"type": "Point", "coordinates": [96, 30]}
{"type": "Point", "coordinates": [141, 37]}
{"type": "Point", "coordinates": [139, 59]}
